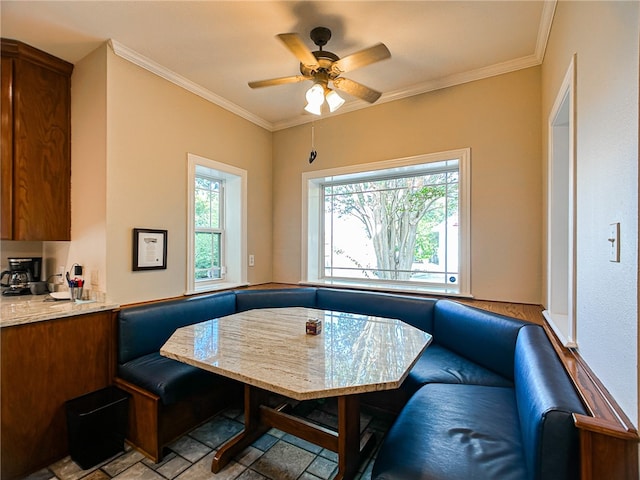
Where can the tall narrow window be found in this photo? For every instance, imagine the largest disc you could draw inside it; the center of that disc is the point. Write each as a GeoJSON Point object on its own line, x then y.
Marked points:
{"type": "Point", "coordinates": [209, 231]}
{"type": "Point", "coordinates": [216, 238]}
{"type": "Point", "coordinates": [402, 225]}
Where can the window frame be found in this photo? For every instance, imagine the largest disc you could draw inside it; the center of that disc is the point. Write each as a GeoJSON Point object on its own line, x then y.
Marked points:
{"type": "Point", "coordinates": [219, 230]}
{"type": "Point", "coordinates": [234, 214]}
{"type": "Point", "coordinates": [312, 261]}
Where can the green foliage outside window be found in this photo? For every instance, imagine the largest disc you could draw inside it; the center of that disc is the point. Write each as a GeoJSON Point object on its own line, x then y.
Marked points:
{"type": "Point", "coordinates": [208, 236]}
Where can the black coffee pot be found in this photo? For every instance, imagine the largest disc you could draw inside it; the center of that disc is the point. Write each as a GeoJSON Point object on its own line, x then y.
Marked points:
{"type": "Point", "coordinates": [21, 272]}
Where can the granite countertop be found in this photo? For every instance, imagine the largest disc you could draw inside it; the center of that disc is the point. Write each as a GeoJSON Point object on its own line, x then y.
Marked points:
{"type": "Point", "coordinates": [23, 309]}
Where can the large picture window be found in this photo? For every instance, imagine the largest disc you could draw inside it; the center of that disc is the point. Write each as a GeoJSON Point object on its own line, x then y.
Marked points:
{"type": "Point", "coordinates": [393, 225]}
{"type": "Point", "coordinates": [217, 225]}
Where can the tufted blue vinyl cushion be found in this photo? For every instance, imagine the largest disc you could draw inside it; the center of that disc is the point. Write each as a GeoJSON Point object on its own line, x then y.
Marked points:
{"type": "Point", "coordinates": [454, 432]}
{"type": "Point", "coordinates": [169, 379]}
{"type": "Point", "coordinates": [485, 338]}
{"type": "Point", "coordinates": [440, 365]}
{"type": "Point", "coordinates": [415, 311]}
{"type": "Point", "coordinates": [145, 328]}
{"type": "Point", "coordinates": [546, 401]}
{"type": "Point", "coordinates": [290, 297]}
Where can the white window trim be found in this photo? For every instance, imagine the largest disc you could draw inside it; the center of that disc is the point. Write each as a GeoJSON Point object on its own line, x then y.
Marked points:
{"type": "Point", "coordinates": [311, 215]}
{"type": "Point", "coordinates": [235, 214]}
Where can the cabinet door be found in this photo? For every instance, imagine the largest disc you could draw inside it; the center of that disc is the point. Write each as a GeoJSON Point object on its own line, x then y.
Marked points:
{"type": "Point", "coordinates": [43, 365]}
{"type": "Point", "coordinates": [6, 149]}
{"type": "Point", "coordinates": [41, 155]}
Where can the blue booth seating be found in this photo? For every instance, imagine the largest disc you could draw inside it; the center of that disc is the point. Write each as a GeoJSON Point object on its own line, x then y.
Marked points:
{"type": "Point", "coordinates": [488, 399]}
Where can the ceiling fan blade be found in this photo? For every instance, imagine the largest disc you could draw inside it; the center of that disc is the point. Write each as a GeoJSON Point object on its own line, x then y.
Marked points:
{"type": "Point", "coordinates": [360, 59]}
{"type": "Point", "coordinates": [356, 89]}
{"type": "Point", "coordinates": [294, 43]}
{"type": "Point", "coordinates": [277, 81]}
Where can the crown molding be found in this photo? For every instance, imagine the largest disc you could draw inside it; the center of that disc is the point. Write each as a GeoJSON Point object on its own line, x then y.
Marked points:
{"type": "Point", "coordinates": [544, 30]}
{"type": "Point", "coordinates": [157, 69]}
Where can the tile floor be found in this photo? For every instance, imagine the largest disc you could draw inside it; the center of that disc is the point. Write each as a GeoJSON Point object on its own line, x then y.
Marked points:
{"type": "Point", "coordinates": [274, 456]}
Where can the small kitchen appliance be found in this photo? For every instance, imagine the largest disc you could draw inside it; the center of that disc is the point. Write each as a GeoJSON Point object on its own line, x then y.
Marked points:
{"type": "Point", "coordinates": [15, 280]}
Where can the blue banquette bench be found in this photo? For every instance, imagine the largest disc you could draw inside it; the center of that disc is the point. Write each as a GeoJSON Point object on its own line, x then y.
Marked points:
{"type": "Point", "coordinates": [488, 399]}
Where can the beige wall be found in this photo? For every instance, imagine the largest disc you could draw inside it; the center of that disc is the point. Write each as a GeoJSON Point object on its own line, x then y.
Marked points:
{"type": "Point", "coordinates": [88, 172]}
{"type": "Point", "coordinates": [498, 118]}
{"type": "Point", "coordinates": [151, 125]}
{"type": "Point", "coordinates": [604, 36]}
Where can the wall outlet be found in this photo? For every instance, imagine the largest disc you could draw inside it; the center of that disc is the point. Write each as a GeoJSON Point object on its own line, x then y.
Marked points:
{"type": "Point", "coordinates": [252, 260]}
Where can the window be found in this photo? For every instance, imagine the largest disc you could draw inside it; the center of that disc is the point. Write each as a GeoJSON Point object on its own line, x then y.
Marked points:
{"type": "Point", "coordinates": [397, 225]}
{"type": "Point", "coordinates": [209, 232]}
{"type": "Point", "coordinates": [217, 225]}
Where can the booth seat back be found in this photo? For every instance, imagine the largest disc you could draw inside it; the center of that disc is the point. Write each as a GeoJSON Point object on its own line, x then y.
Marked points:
{"type": "Point", "coordinates": [273, 298]}
{"type": "Point", "coordinates": [487, 339]}
{"type": "Point", "coordinates": [415, 311]}
{"type": "Point", "coordinates": [546, 401]}
{"type": "Point", "coordinates": [145, 328]}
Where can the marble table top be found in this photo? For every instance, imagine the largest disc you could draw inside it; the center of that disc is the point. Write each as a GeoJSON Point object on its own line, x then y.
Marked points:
{"type": "Point", "coordinates": [270, 349]}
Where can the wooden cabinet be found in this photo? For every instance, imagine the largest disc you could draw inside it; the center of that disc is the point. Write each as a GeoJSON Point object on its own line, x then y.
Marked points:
{"type": "Point", "coordinates": [44, 364]}
{"type": "Point", "coordinates": [35, 108]}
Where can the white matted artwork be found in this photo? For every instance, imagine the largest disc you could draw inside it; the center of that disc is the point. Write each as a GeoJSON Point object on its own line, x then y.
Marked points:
{"type": "Point", "coordinates": [149, 249]}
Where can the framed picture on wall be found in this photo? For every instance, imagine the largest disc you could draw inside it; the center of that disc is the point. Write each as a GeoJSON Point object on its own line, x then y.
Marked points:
{"type": "Point", "coordinates": [149, 249]}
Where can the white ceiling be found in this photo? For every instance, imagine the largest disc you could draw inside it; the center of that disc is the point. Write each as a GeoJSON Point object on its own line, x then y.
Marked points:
{"type": "Point", "coordinates": [214, 48]}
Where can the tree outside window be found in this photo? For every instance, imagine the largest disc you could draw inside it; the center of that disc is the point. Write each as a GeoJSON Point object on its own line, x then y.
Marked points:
{"type": "Point", "coordinates": [398, 224]}
{"type": "Point", "coordinates": [208, 228]}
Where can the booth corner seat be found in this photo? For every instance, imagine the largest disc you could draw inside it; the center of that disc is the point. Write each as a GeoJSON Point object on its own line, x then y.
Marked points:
{"type": "Point", "coordinates": [488, 398]}
{"type": "Point", "coordinates": [168, 398]}
{"type": "Point", "coordinates": [507, 415]}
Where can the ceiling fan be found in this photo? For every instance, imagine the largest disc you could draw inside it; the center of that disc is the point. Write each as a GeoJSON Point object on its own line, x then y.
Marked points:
{"type": "Point", "coordinates": [322, 67]}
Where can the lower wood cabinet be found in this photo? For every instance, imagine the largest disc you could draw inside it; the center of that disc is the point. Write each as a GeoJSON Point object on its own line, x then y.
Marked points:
{"type": "Point", "coordinates": [44, 364]}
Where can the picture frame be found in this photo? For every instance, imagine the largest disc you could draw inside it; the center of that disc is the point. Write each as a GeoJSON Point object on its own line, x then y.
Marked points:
{"type": "Point", "coordinates": [149, 249]}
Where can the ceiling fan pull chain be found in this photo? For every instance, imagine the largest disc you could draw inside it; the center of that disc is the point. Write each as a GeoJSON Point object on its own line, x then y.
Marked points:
{"type": "Point", "coordinates": [313, 154]}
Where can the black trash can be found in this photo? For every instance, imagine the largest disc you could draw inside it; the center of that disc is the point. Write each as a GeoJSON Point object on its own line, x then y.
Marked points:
{"type": "Point", "coordinates": [97, 425]}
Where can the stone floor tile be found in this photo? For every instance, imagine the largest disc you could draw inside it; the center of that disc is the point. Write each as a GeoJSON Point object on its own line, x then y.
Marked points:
{"type": "Point", "coordinates": [155, 466]}
{"type": "Point", "coordinates": [323, 468]}
{"type": "Point", "coordinates": [67, 469]}
{"type": "Point", "coordinates": [97, 475]}
{"type": "Point", "coordinates": [248, 456]}
{"type": "Point", "coordinates": [251, 475]}
{"type": "Point", "coordinates": [190, 448]}
{"type": "Point", "coordinates": [266, 441]}
{"type": "Point", "coordinates": [173, 467]}
{"type": "Point", "coordinates": [330, 455]}
{"type": "Point", "coordinates": [308, 476]}
{"type": "Point", "coordinates": [283, 461]}
{"type": "Point", "coordinates": [201, 470]}
{"type": "Point", "coordinates": [138, 471]}
{"type": "Point", "coordinates": [299, 442]}
{"type": "Point", "coordinates": [217, 431]}
{"type": "Point", "coordinates": [43, 474]}
{"type": "Point", "coordinates": [121, 463]}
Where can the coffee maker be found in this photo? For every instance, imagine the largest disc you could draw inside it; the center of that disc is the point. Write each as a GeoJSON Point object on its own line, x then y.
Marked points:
{"type": "Point", "coordinates": [23, 270]}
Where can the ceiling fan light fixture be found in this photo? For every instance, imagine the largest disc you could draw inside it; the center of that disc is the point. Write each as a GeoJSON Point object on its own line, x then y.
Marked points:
{"type": "Point", "coordinates": [314, 108]}
{"type": "Point", "coordinates": [315, 95]}
{"type": "Point", "coordinates": [334, 100]}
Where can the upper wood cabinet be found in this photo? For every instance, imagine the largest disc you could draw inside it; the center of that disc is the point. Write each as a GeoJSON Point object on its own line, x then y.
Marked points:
{"type": "Point", "coordinates": [36, 144]}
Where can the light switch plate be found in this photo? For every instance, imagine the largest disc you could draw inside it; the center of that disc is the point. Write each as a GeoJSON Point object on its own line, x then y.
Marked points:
{"type": "Point", "coordinates": [614, 242]}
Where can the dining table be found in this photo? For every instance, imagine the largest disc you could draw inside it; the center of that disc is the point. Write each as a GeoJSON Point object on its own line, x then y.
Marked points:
{"type": "Point", "coordinates": [302, 354]}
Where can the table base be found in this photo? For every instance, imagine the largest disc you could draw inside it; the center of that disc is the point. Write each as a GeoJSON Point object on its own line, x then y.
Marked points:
{"type": "Point", "coordinates": [258, 419]}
